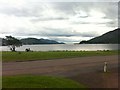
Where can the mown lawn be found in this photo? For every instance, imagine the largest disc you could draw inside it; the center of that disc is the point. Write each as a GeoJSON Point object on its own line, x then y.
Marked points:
{"type": "Point", "coordinates": [38, 82]}
{"type": "Point", "coordinates": [24, 56]}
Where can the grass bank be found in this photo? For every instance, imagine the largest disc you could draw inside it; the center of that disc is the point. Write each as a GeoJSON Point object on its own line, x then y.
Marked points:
{"type": "Point", "coordinates": [39, 82]}
{"type": "Point", "coordinates": [25, 56]}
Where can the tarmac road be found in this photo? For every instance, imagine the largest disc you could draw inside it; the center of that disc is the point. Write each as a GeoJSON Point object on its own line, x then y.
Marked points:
{"type": "Point", "coordinates": [60, 67]}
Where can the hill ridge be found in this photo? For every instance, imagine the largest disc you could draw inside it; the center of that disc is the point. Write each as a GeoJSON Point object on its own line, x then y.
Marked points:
{"type": "Point", "coordinates": [110, 37]}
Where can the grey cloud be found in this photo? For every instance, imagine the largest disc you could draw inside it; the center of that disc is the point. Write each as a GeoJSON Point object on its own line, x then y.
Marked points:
{"type": "Point", "coordinates": [55, 32]}
{"type": "Point", "coordinates": [48, 19]}
{"type": "Point", "coordinates": [68, 8]}
{"type": "Point", "coordinates": [113, 23]}
{"type": "Point", "coordinates": [65, 32]}
{"type": "Point", "coordinates": [88, 34]}
{"type": "Point", "coordinates": [29, 10]}
{"type": "Point", "coordinates": [109, 8]}
{"type": "Point", "coordinates": [82, 22]}
{"type": "Point", "coordinates": [21, 13]}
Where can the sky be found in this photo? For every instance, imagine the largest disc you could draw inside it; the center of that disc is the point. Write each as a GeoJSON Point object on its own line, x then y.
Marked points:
{"type": "Point", "coordinates": [69, 22]}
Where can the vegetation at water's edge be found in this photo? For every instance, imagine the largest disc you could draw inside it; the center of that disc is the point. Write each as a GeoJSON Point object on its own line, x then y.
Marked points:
{"type": "Point", "coordinates": [26, 56]}
{"type": "Point", "coordinates": [39, 82]}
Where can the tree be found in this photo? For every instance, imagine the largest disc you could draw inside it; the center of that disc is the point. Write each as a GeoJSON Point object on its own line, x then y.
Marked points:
{"type": "Point", "coordinates": [13, 42]}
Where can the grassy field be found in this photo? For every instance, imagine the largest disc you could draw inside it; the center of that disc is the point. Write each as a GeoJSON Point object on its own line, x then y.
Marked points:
{"type": "Point", "coordinates": [38, 82]}
{"type": "Point", "coordinates": [25, 56]}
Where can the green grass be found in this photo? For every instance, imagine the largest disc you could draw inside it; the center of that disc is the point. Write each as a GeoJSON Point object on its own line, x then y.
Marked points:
{"type": "Point", "coordinates": [38, 82]}
{"type": "Point", "coordinates": [24, 56]}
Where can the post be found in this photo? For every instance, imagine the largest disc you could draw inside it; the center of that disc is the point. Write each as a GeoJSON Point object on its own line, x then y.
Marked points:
{"type": "Point", "coordinates": [105, 66]}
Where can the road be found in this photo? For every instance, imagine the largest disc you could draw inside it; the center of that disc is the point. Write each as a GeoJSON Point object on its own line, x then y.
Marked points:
{"type": "Point", "coordinates": [60, 67]}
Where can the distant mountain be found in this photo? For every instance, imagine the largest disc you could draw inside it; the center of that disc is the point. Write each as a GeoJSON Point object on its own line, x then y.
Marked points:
{"type": "Point", "coordinates": [29, 41]}
{"type": "Point", "coordinates": [107, 38]}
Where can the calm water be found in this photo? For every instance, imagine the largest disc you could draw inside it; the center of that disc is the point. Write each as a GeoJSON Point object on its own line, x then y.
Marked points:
{"type": "Point", "coordinates": [54, 47]}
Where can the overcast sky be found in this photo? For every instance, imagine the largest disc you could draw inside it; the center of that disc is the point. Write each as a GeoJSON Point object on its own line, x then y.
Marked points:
{"type": "Point", "coordinates": [67, 22]}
